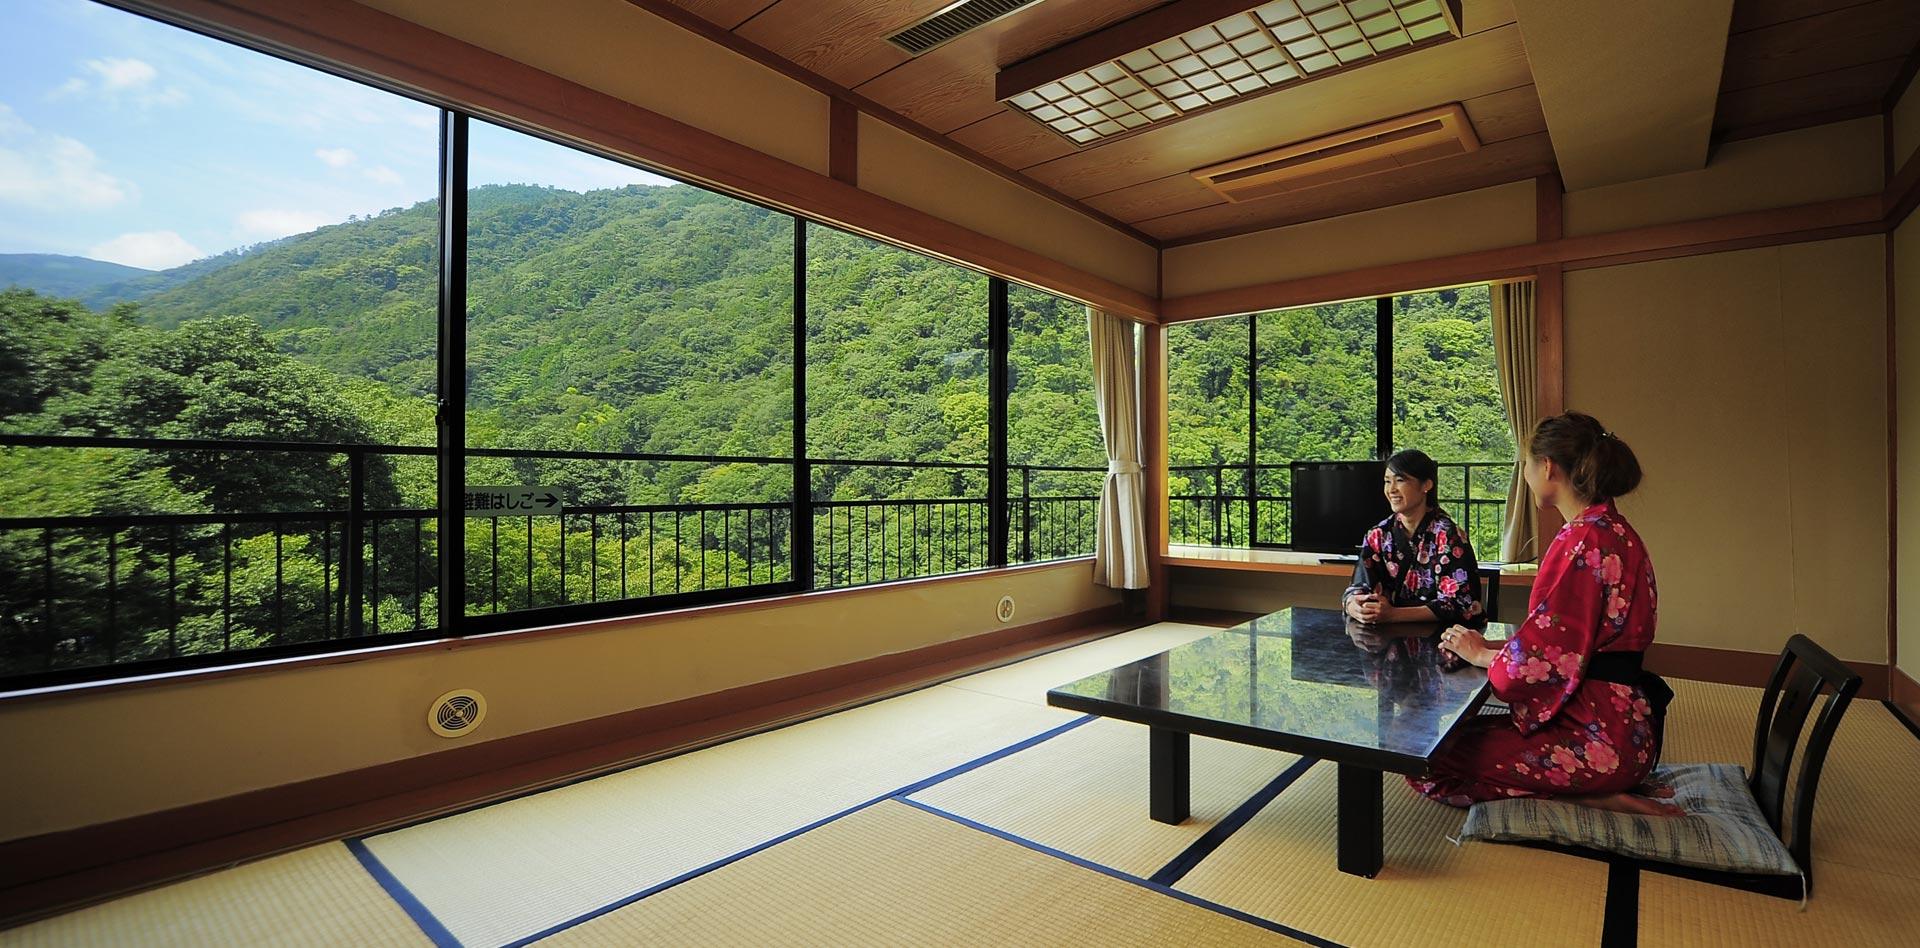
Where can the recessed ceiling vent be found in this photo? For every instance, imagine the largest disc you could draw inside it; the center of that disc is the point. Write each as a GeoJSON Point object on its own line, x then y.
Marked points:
{"type": "Point", "coordinates": [1355, 153]}
{"type": "Point", "coordinates": [958, 18]}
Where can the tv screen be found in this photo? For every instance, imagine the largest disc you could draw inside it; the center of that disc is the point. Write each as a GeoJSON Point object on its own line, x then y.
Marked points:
{"type": "Point", "coordinates": [1334, 503]}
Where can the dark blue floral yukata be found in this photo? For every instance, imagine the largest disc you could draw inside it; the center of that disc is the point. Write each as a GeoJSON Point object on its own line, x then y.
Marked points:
{"type": "Point", "coordinates": [1433, 567]}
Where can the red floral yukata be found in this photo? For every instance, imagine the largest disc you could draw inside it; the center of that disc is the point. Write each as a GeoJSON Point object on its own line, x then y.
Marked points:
{"type": "Point", "coordinates": [1433, 567]}
{"type": "Point", "coordinates": [1568, 735]}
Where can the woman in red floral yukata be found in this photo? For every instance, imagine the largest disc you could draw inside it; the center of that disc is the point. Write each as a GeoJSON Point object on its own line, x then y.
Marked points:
{"type": "Point", "coordinates": [1417, 565]}
{"type": "Point", "coordinates": [1585, 715]}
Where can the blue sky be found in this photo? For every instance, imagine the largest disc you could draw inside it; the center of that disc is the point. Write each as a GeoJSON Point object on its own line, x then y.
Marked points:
{"type": "Point", "coordinates": [127, 140]}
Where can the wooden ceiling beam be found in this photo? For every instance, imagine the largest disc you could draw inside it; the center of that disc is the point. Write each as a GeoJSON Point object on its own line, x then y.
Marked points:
{"type": "Point", "coordinates": [1113, 42]}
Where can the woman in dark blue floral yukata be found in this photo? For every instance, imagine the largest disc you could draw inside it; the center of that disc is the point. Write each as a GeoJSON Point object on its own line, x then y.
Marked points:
{"type": "Point", "coordinates": [1417, 565]}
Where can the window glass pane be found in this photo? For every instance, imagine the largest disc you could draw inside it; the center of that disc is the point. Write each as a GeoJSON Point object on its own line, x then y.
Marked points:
{"type": "Point", "coordinates": [1446, 402]}
{"type": "Point", "coordinates": [896, 373]}
{"type": "Point", "coordinates": [1207, 431]}
{"type": "Point", "coordinates": [1057, 459]}
{"type": "Point", "coordinates": [615, 314]}
{"type": "Point", "coordinates": [202, 242]}
{"type": "Point", "coordinates": [1317, 391]}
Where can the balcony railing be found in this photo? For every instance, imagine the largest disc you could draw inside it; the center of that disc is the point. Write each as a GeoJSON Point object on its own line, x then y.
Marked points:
{"type": "Point", "coordinates": [1217, 505]}
{"type": "Point", "coordinates": [82, 591]}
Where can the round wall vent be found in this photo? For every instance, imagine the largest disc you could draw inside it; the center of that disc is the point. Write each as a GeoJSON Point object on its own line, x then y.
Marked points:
{"type": "Point", "coordinates": [1006, 609]}
{"type": "Point", "coordinates": [457, 713]}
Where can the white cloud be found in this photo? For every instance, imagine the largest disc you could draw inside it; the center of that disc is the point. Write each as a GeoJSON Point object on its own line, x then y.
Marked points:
{"type": "Point", "coordinates": [150, 250]}
{"type": "Point", "coordinates": [130, 80]}
{"type": "Point", "coordinates": [335, 157]}
{"type": "Point", "coordinates": [52, 172]}
{"type": "Point", "coordinates": [268, 223]}
{"type": "Point", "coordinates": [381, 174]}
{"type": "Point", "coordinates": [122, 73]}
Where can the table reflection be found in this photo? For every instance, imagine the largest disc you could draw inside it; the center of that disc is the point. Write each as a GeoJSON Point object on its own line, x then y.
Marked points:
{"type": "Point", "coordinates": [1309, 672]}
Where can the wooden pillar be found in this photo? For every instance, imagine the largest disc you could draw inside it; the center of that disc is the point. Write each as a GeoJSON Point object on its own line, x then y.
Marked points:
{"type": "Point", "coordinates": [843, 142]}
{"type": "Point", "coordinates": [1153, 451]}
{"type": "Point", "coordinates": [1550, 396]}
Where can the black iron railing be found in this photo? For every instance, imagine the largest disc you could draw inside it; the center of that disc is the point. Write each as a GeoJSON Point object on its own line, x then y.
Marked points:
{"type": "Point", "coordinates": [88, 590]}
{"type": "Point", "coordinates": [1226, 504]}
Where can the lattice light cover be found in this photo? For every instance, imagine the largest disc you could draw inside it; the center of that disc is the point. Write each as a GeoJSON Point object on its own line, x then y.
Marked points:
{"type": "Point", "coordinates": [1270, 45]}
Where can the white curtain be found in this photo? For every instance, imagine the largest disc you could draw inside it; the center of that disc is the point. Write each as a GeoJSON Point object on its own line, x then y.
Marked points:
{"type": "Point", "coordinates": [1120, 542]}
{"type": "Point", "coordinates": [1513, 351]}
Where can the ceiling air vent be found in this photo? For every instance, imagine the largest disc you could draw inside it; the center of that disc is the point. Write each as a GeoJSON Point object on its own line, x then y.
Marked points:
{"type": "Point", "coordinates": [1370, 149]}
{"type": "Point", "coordinates": [958, 18]}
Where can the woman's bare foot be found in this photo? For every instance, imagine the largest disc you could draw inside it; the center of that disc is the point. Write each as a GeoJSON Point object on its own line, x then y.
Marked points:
{"type": "Point", "coordinates": [1630, 803]}
{"type": "Point", "coordinates": [1650, 789]}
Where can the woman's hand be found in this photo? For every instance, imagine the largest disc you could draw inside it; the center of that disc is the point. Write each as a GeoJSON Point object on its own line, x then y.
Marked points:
{"type": "Point", "coordinates": [1368, 607]}
{"type": "Point", "coordinates": [1470, 645]}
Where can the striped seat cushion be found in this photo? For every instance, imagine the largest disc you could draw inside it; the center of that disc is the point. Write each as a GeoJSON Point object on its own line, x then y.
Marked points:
{"type": "Point", "coordinates": [1722, 829]}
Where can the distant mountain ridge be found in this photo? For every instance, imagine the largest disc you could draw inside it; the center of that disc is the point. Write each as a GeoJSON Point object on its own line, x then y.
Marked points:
{"type": "Point", "coordinates": [53, 274]}
{"type": "Point", "coordinates": [101, 284]}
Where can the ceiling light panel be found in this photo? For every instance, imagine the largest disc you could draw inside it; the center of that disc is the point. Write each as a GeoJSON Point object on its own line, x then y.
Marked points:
{"type": "Point", "coordinates": [1271, 45]}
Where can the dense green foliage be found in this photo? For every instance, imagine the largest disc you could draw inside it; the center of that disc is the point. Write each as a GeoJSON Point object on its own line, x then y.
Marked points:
{"type": "Point", "coordinates": [638, 320]}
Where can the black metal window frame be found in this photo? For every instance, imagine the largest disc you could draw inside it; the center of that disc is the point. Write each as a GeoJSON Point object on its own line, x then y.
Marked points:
{"type": "Point", "coordinates": [451, 453]}
{"type": "Point", "coordinates": [1222, 497]}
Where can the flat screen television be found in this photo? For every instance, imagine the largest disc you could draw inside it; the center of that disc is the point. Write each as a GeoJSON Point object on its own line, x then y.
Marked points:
{"type": "Point", "coordinates": [1335, 503]}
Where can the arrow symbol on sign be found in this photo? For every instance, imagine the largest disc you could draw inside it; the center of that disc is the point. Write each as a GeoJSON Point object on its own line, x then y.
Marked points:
{"type": "Point", "coordinates": [551, 500]}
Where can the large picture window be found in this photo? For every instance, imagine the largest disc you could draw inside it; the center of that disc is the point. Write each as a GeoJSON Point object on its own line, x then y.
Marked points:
{"type": "Point", "coordinates": [270, 339]}
{"type": "Point", "coordinates": [1248, 395]}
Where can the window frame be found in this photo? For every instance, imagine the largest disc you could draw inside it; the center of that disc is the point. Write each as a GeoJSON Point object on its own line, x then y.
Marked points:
{"type": "Point", "coordinates": [451, 453]}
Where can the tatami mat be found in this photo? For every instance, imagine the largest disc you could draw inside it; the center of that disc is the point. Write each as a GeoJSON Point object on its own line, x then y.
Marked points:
{"type": "Point", "coordinates": [1850, 907]}
{"type": "Point", "coordinates": [1085, 793]}
{"type": "Point", "coordinates": [316, 896]}
{"type": "Point", "coordinates": [894, 875]}
{"type": "Point", "coordinates": [1029, 680]}
{"type": "Point", "coordinates": [1868, 814]}
{"type": "Point", "coordinates": [1281, 867]}
{"type": "Point", "coordinates": [507, 871]}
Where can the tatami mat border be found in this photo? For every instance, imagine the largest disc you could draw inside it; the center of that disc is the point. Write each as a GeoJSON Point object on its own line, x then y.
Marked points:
{"type": "Point", "coordinates": [402, 896]}
{"type": "Point", "coordinates": [1180, 865]}
{"type": "Point", "coordinates": [1147, 884]}
{"type": "Point", "coordinates": [914, 787]}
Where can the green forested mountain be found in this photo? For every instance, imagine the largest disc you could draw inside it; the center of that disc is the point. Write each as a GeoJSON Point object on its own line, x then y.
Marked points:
{"type": "Point", "coordinates": [59, 275]}
{"type": "Point", "coordinates": [650, 320]}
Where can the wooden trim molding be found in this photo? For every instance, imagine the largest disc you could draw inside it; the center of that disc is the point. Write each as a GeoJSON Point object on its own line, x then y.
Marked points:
{"type": "Point", "coordinates": [41, 875]}
{"type": "Point", "coordinates": [1549, 339]}
{"type": "Point", "coordinates": [1903, 192]}
{"type": "Point", "coordinates": [1153, 424]}
{"type": "Point", "coordinates": [350, 655]}
{"type": "Point", "coordinates": [1735, 667]}
{"type": "Point", "coordinates": [843, 142]}
{"type": "Point", "coordinates": [347, 38]}
{"type": "Point", "coordinates": [1817, 221]}
{"type": "Point", "coordinates": [1906, 692]}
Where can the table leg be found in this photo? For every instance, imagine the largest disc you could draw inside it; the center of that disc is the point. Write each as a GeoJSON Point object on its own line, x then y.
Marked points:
{"type": "Point", "coordinates": [1361, 850]}
{"type": "Point", "coordinates": [1168, 775]}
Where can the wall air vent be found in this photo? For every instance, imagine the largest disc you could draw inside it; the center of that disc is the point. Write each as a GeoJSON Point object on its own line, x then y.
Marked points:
{"type": "Point", "coordinates": [457, 713]}
{"type": "Point", "coordinates": [952, 21]}
{"type": "Point", "coordinates": [1355, 153]}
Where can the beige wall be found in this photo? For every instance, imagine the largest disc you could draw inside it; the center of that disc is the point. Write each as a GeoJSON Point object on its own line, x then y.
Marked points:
{"type": "Point", "coordinates": [1843, 159]}
{"type": "Point", "coordinates": [1457, 223]}
{"type": "Point", "coordinates": [1752, 385]}
{"type": "Point", "coordinates": [617, 48]}
{"type": "Point", "coordinates": [89, 759]}
{"type": "Point", "coordinates": [1906, 285]}
{"type": "Point", "coordinates": [1906, 126]}
{"type": "Point", "coordinates": [900, 167]}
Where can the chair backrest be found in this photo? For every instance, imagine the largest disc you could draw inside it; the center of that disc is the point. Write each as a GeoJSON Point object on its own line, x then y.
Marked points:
{"type": "Point", "coordinates": [1804, 672]}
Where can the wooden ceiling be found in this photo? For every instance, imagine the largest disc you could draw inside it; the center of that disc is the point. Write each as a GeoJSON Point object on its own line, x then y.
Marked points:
{"type": "Point", "coordinates": [1788, 62]}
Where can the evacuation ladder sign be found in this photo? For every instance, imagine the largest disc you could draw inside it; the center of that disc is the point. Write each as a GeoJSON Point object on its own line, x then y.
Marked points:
{"type": "Point", "coordinates": [520, 501]}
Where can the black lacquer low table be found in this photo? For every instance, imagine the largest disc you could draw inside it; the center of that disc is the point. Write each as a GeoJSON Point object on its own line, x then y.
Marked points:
{"type": "Point", "coordinates": [1372, 699]}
